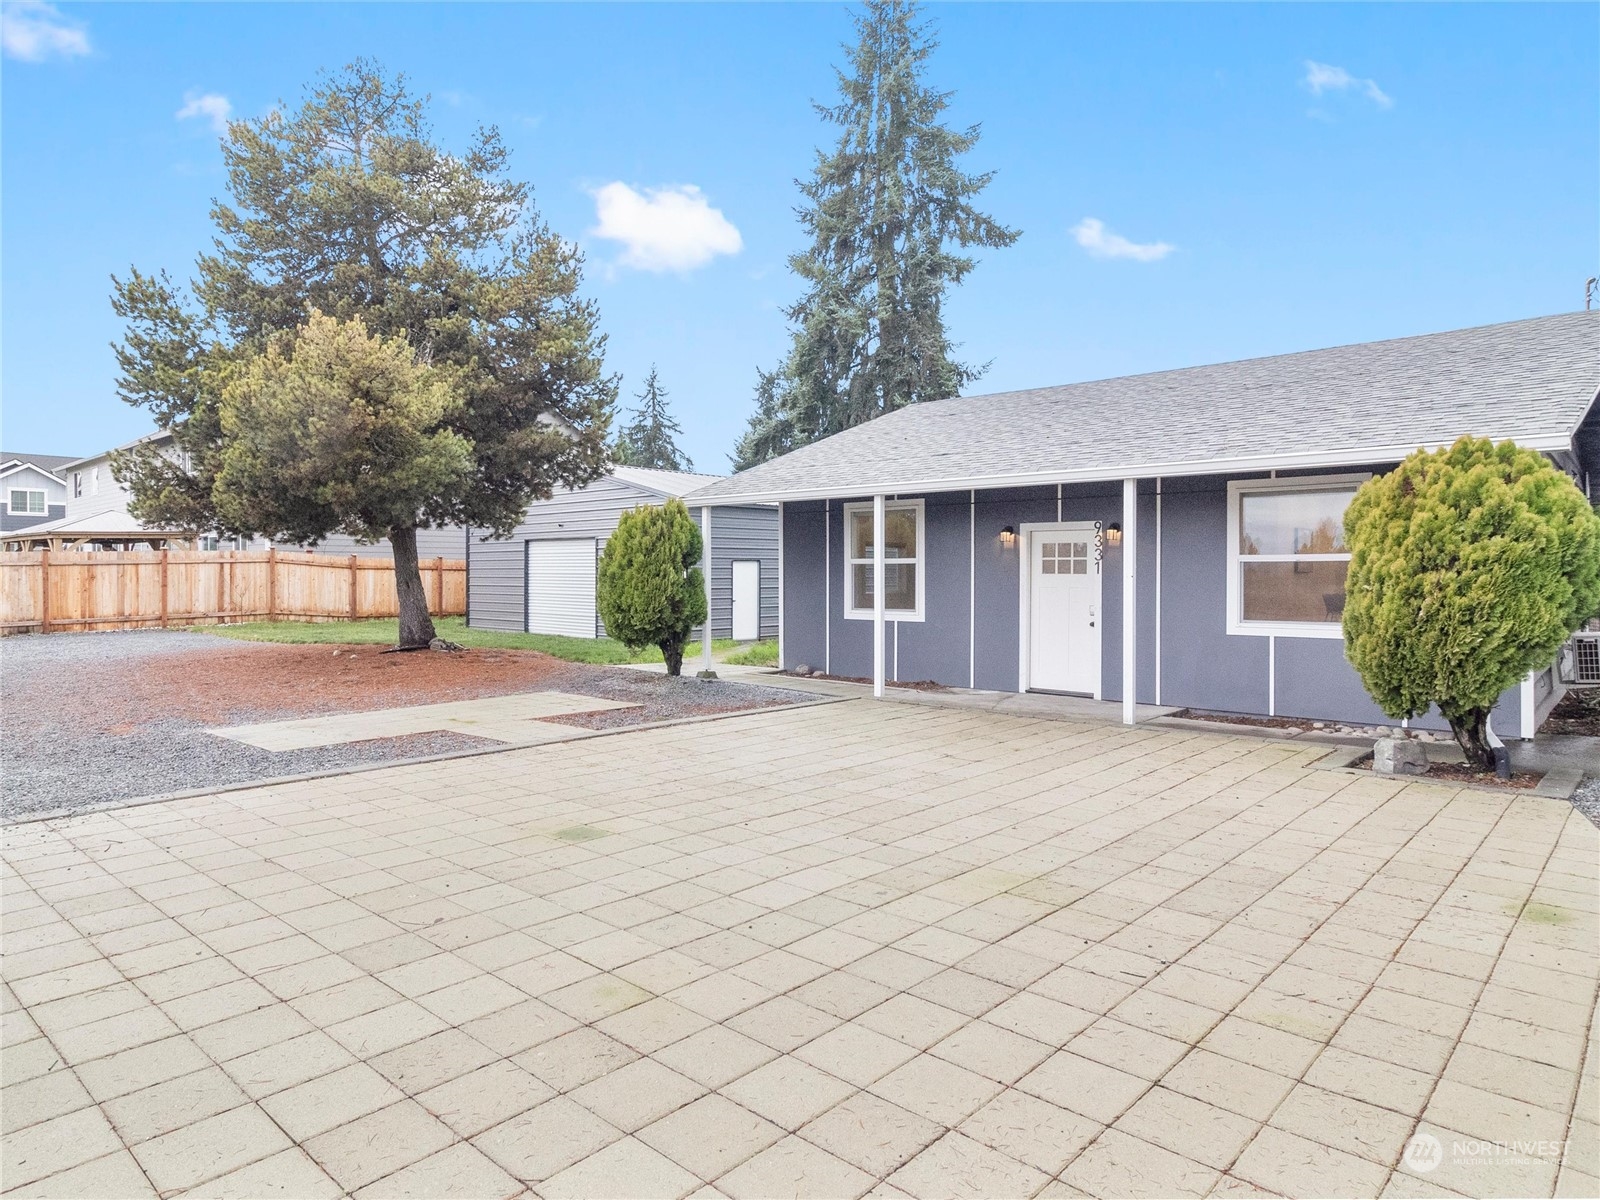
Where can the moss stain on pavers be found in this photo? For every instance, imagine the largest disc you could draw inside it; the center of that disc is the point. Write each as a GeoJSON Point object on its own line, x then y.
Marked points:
{"type": "Point", "coordinates": [580, 833]}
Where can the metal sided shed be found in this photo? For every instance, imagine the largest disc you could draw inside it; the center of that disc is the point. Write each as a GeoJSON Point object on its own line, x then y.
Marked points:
{"type": "Point", "coordinates": [541, 579]}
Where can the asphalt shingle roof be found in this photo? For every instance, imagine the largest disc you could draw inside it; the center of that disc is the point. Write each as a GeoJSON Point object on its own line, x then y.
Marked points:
{"type": "Point", "coordinates": [50, 462]}
{"type": "Point", "coordinates": [1530, 380]}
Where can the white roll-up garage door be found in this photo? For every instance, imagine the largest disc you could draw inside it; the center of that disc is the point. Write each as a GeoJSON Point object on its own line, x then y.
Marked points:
{"type": "Point", "coordinates": [561, 587]}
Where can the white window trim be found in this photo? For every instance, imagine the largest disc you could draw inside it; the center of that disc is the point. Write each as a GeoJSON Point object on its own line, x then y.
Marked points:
{"type": "Point", "coordinates": [889, 614]}
{"type": "Point", "coordinates": [1237, 490]}
{"type": "Point", "coordinates": [27, 509]}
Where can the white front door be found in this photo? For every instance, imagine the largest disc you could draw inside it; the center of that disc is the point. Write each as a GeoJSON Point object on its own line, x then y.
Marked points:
{"type": "Point", "coordinates": [1063, 610]}
{"type": "Point", "coordinates": [746, 599]}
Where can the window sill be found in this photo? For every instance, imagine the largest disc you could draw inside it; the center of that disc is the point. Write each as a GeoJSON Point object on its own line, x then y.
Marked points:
{"type": "Point", "coordinates": [1289, 629]}
{"type": "Point", "coordinates": [855, 614]}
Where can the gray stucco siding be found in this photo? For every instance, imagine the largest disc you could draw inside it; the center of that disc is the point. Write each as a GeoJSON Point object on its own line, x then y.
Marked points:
{"type": "Point", "coordinates": [804, 623]}
{"type": "Point", "coordinates": [936, 647]}
{"type": "Point", "coordinates": [1202, 665]}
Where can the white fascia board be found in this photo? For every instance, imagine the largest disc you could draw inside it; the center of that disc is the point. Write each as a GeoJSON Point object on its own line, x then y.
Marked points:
{"type": "Point", "coordinates": [22, 464]}
{"type": "Point", "coordinates": [1361, 456]}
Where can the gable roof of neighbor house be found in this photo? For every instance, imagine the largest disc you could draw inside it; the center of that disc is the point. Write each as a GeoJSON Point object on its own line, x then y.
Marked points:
{"type": "Point", "coordinates": [1531, 380]}
{"type": "Point", "coordinates": [50, 464]}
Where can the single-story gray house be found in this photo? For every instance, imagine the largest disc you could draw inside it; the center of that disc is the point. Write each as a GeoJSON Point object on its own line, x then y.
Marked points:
{"type": "Point", "coordinates": [541, 579]}
{"type": "Point", "coordinates": [1182, 528]}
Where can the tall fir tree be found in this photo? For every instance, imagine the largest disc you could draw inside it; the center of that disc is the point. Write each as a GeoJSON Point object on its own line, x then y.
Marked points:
{"type": "Point", "coordinates": [888, 213]}
{"type": "Point", "coordinates": [649, 440]}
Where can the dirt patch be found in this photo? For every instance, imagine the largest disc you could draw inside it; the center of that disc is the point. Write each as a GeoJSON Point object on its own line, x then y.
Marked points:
{"type": "Point", "coordinates": [1442, 772]}
{"type": "Point", "coordinates": [1578, 712]}
{"type": "Point", "coordinates": [276, 682]}
{"type": "Point", "coordinates": [112, 716]}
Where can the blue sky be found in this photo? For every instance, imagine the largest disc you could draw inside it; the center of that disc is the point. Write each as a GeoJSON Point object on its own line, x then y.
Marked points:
{"type": "Point", "coordinates": [1194, 183]}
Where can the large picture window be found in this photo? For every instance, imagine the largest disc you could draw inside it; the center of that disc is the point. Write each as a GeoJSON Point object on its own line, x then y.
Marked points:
{"type": "Point", "coordinates": [903, 567]}
{"type": "Point", "coordinates": [1287, 558]}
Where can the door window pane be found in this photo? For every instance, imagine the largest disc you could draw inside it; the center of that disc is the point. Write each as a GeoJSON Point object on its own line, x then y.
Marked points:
{"type": "Point", "coordinates": [1294, 522]}
{"type": "Point", "coordinates": [1294, 591]}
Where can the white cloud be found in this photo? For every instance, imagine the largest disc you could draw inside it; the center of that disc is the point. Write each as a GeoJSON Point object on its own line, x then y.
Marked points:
{"type": "Point", "coordinates": [209, 106]}
{"type": "Point", "coordinates": [34, 31]}
{"type": "Point", "coordinates": [1100, 242]}
{"type": "Point", "coordinates": [1320, 77]}
{"type": "Point", "coordinates": [670, 228]}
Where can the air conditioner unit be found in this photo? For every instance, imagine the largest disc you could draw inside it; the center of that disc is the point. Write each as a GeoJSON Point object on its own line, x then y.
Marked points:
{"type": "Point", "coordinates": [1579, 663]}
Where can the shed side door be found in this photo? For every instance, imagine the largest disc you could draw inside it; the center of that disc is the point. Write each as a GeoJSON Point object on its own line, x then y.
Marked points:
{"type": "Point", "coordinates": [561, 587]}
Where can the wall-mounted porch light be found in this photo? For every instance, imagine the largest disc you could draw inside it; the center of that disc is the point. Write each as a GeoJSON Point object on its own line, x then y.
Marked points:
{"type": "Point", "coordinates": [1113, 534]}
{"type": "Point", "coordinates": [1008, 537]}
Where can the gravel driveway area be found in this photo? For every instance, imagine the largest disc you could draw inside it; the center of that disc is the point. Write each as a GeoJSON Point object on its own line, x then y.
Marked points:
{"type": "Point", "coordinates": [1587, 798]}
{"type": "Point", "coordinates": [91, 719]}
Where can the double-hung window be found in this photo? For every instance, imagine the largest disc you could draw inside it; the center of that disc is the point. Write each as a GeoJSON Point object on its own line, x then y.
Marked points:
{"type": "Point", "coordinates": [27, 500]}
{"type": "Point", "coordinates": [1287, 557]}
{"type": "Point", "coordinates": [904, 582]}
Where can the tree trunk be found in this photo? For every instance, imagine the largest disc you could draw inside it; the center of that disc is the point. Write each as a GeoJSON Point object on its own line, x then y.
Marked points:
{"type": "Point", "coordinates": [416, 626]}
{"type": "Point", "coordinates": [1471, 730]}
{"type": "Point", "coordinates": [672, 652]}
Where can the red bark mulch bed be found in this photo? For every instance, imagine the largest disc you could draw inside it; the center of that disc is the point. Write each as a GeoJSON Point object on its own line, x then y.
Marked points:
{"type": "Point", "coordinates": [1578, 712]}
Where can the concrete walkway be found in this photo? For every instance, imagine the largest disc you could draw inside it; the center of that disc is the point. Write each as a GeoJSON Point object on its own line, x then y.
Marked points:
{"type": "Point", "coordinates": [854, 947]}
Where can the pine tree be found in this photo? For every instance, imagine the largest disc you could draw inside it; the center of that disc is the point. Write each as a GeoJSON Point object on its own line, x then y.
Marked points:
{"type": "Point", "coordinates": [888, 212]}
{"type": "Point", "coordinates": [648, 440]}
{"type": "Point", "coordinates": [348, 207]}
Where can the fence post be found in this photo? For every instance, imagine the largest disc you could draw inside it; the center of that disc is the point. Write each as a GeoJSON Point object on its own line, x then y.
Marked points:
{"type": "Point", "coordinates": [44, 590]}
{"type": "Point", "coordinates": [164, 553]}
{"type": "Point", "coordinates": [438, 586]}
{"type": "Point", "coordinates": [352, 587]}
{"type": "Point", "coordinates": [272, 582]}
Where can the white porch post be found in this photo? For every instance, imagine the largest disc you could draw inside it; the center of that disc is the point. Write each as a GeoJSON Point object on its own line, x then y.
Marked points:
{"type": "Point", "coordinates": [1130, 608]}
{"type": "Point", "coordinates": [877, 596]}
{"type": "Point", "coordinates": [781, 663]}
{"type": "Point", "coordinates": [705, 632]}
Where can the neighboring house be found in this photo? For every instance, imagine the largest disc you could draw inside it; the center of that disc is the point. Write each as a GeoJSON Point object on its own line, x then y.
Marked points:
{"type": "Point", "coordinates": [96, 515]}
{"type": "Point", "coordinates": [542, 578]}
{"type": "Point", "coordinates": [1182, 528]}
{"type": "Point", "coordinates": [32, 490]}
{"type": "Point", "coordinates": [96, 511]}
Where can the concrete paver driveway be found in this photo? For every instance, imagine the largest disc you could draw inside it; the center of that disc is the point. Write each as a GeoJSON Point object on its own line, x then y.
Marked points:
{"type": "Point", "coordinates": [849, 948]}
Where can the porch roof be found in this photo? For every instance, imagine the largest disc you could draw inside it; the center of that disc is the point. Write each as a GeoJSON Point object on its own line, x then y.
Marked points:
{"type": "Point", "coordinates": [1532, 381]}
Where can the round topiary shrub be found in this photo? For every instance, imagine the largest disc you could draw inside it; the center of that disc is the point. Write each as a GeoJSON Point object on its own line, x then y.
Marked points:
{"type": "Point", "coordinates": [1469, 567]}
{"type": "Point", "coordinates": [649, 588]}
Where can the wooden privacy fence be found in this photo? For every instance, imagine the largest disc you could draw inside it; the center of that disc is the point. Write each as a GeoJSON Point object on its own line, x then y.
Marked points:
{"type": "Point", "coordinates": [69, 590]}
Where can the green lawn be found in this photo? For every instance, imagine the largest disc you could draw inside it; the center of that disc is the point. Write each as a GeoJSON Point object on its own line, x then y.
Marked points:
{"type": "Point", "coordinates": [756, 654]}
{"type": "Point", "coordinates": [384, 633]}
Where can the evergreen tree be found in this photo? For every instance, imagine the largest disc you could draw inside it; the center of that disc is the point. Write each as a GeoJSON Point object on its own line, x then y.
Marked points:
{"type": "Point", "coordinates": [648, 440]}
{"type": "Point", "coordinates": [349, 208]}
{"type": "Point", "coordinates": [649, 588]}
{"type": "Point", "coordinates": [888, 212]}
{"type": "Point", "coordinates": [1468, 569]}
